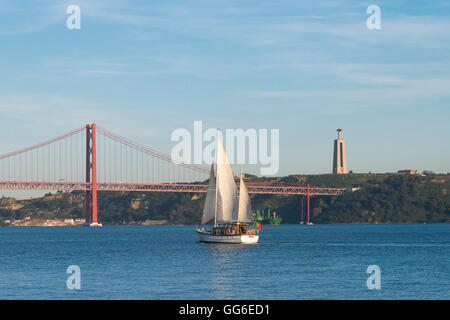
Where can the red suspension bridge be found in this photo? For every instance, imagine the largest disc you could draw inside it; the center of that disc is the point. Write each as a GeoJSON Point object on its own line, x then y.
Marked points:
{"type": "Point", "coordinates": [94, 159]}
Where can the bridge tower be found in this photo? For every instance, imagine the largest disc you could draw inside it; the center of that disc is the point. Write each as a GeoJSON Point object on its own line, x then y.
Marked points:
{"type": "Point", "coordinates": [91, 177]}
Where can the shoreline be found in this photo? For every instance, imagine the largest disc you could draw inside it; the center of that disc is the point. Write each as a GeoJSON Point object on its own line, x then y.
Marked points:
{"type": "Point", "coordinates": [182, 225]}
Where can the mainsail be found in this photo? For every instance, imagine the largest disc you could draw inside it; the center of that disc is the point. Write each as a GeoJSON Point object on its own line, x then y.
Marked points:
{"type": "Point", "coordinates": [226, 187]}
{"type": "Point", "coordinates": [245, 207]}
{"type": "Point", "coordinates": [209, 210]}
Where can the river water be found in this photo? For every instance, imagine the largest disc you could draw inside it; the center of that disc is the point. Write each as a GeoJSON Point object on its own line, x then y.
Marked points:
{"type": "Point", "coordinates": [168, 262]}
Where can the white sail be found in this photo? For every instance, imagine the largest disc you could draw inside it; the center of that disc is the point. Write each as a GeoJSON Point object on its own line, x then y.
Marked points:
{"type": "Point", "coordinates": [245, 207]}
{"type": "Point", "coordinates": [210, 202]}
{"type": "Point", "coordinates": [226, 187]}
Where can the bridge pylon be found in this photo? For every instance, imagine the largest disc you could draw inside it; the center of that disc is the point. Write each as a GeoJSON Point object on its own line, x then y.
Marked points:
{"type": "Point", "coordinates": [91, 176]}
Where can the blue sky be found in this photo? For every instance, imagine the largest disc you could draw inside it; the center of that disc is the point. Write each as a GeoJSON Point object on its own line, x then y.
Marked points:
{"type": "Point", "coordinates": [145, 68]}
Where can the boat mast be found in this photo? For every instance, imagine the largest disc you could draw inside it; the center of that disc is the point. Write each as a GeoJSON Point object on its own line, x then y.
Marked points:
{"type": "Point", "coordinates": [239, 195]}
{"type": "Point", "coordinates": [217, 176]}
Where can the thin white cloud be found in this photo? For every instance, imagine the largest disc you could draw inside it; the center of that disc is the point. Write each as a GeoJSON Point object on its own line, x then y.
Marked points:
{"type": "Point", "coordinates": [407, 92]}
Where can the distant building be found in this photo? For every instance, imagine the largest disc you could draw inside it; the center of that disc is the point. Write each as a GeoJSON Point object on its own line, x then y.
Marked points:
{"type": "Point", "coordinates": [408, 171]}
{"type": "Point", "coordinates": [339, 158]}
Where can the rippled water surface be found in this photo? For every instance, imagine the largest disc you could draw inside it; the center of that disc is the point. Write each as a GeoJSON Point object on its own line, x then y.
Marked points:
{"type": "Point", "coordinates": [168, 262]}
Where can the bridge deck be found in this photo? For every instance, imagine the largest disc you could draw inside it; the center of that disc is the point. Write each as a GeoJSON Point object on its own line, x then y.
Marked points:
{"type": "Point", "coordinates": [166, 187]}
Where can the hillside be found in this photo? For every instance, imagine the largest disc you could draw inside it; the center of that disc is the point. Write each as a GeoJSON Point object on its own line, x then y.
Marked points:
{"type": "Point", "coordinates": [383, 198]}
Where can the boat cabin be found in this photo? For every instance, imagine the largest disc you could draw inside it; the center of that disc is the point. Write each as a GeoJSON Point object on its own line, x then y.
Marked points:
{"type": "Point", "coordinates": [228, 229]}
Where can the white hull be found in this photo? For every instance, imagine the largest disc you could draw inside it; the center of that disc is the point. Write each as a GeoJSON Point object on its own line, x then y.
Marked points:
{"type": "Point", "coordinates": [243, 238]}
{"type": "Point", "coordinates": [92, 224]}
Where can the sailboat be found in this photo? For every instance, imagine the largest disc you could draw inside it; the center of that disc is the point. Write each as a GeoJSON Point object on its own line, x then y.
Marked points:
{"type": "Point", "coordinates": [226, 217]}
